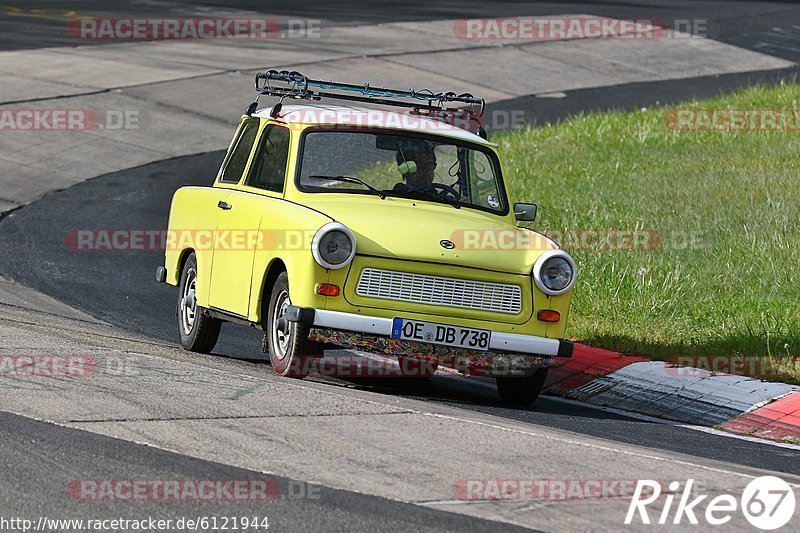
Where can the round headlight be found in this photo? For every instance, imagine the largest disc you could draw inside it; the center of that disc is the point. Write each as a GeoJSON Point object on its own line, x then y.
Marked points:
{"type": "Point", "coordinates": [554, 272]}
{"type": "Point", "coordinates": [333, 246]}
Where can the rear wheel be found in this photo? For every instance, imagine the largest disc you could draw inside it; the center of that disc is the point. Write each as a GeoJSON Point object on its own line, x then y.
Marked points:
{"type": "Point", "coordinates": [522, 391]}
{"type": "Point", "coordinates": [290, 351]}
{"type": "Point", "coordinates": [199, 333]}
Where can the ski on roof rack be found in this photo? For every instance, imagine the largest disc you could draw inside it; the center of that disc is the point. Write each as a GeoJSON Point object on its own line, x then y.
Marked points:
{"type": "Point", "coordinates": [292, 84]}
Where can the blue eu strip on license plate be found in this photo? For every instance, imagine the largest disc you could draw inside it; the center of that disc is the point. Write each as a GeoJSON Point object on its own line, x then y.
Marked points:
{"type": "Point", "coordinates": [434, 333]}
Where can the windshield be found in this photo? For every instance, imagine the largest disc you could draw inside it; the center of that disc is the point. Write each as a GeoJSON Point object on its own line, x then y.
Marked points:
{"type": "Point", "coordinates": [392, 164]}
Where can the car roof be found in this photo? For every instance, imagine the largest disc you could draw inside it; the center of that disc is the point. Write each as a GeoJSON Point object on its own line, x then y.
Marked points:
{"type": "Point", "coordinates": [319, 114]}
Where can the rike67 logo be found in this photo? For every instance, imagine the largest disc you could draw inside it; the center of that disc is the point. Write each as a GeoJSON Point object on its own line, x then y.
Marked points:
{"type": "Point", "coordinates": [767, 502]}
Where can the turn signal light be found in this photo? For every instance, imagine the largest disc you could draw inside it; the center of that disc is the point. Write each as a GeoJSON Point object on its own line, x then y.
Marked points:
{"type": "Point", "coordinates": [326, 289]}
{"type": "Point", "coordinates": [548, 315]}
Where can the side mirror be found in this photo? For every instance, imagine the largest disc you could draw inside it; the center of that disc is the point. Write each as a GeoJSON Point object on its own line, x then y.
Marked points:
{"type": "Point", "coordinates": [525, 212]}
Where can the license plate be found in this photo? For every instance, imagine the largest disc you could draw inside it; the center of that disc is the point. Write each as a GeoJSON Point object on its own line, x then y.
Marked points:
{"type": "Point", "coordinates": [433, 333]}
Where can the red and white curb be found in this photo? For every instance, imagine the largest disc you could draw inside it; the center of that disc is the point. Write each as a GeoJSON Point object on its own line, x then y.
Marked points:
{"type": "Point", "coordinates": [779, 420]}
{"type": "Point", "coordinates": [659, 389]}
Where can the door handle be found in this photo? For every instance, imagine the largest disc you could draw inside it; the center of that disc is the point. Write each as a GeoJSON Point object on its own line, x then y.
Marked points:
{"type": "Point", "coordinates": [225, 206]}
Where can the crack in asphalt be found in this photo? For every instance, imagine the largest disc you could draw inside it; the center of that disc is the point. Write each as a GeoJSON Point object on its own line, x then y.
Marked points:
{"type": "Point", "coordinates": [4, 214]}
{"type": "Point", "coordinates": [242, 417]}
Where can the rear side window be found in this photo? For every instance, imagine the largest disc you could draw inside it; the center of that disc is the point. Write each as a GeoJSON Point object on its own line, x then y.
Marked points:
{"type": "Point", "coordinates": [240, 153]}
{"type": "Point", "coordinates": [268, 170]}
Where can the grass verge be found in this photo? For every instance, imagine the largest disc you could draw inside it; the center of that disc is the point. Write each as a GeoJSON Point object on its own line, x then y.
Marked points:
{"type": "Point", "coordinates": [719, 274]}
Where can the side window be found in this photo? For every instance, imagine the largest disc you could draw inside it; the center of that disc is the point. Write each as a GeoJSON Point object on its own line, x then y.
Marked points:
{"type": "Point", "coordinates": [268, 170]}
{"type": "Point", "coordinates": [485, 192]}
{"type": "Point", "coordinates": [240, 152]}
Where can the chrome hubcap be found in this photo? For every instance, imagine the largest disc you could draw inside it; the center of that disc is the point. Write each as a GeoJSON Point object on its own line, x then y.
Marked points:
{"type": "Point", "coordinates": [188, 306]}
{"type": "Point", "coordinates": [281, 329]}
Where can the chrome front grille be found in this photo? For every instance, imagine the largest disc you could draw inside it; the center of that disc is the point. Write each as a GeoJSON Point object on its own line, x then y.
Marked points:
{"type": "Point", "coordinates": [437, 290]}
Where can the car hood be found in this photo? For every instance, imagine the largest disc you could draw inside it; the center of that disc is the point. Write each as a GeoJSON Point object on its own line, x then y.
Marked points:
{"type": "Point", "coordinates": [398, 228]}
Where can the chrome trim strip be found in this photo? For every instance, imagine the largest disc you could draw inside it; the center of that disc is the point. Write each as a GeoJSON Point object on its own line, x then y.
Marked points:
{"type": "Point", "coordinates": [513, 342]}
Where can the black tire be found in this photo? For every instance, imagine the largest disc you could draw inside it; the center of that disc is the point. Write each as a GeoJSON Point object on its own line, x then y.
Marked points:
{"type": "Point", "coordinates": [290, 351]}
{"type": "Point", "coordinates": [198, 332]}
{"type": "Point", "coordinates": [413, 367]}
{"type": "Point", "coordinates": [522, 391]}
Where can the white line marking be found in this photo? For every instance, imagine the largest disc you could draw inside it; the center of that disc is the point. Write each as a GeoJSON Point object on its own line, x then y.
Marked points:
{"type": "Point", "coordinates": [597, 446]}
{"type": "Point", "coordinates": [486, 383]}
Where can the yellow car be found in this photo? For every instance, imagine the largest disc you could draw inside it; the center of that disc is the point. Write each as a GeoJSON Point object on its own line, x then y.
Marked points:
{"type": "Point", "coordinates": [389, 232]}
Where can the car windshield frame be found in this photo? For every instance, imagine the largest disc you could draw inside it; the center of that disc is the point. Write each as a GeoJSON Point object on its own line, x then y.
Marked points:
{"type": "Point", "coordinates": [491, 155]}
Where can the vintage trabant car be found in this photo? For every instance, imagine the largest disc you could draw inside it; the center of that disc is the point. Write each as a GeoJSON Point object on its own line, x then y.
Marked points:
{"type": "Point", "coordinates": [389, 232]}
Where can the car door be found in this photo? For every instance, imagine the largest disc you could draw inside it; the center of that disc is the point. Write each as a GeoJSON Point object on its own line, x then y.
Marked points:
{"type": "Point", "coordinates": [230, 269]}
{"type": "Point", "coordinates": [239, 229]}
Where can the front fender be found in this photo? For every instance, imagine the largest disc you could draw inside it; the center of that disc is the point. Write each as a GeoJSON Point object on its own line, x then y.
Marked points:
{"type": "Point", "coordinates": [291, 228]}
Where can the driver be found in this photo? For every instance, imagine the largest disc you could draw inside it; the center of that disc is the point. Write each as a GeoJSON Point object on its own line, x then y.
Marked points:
{"type": "Point", "coordinates": [416, 161]}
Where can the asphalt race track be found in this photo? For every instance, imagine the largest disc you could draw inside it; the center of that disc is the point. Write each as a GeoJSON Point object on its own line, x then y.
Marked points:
{"type": "Point", "coordinates": [119, 287]}
{"type": "Point", "coordinates": [99, 457]}
{"type": "Point", "coordinates": [37, 250]}
{"type": "Point", "coordinates": [746, 24]}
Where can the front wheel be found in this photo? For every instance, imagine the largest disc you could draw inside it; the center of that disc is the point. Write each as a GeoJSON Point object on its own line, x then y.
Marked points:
{"type": "Point", "coordinates": [199, 333]}
{"type": "Point", "coordinates": [522, 391]}
{"type": "Point", "coordinates": [290, 351]}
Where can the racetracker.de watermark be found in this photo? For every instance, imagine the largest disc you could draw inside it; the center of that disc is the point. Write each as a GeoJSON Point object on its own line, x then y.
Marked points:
{"type": "Point", "coordinates": [151, 240]}
{"type": "Point", "coordinates": [577, 240]}
{"type": "Point", "coordinates": [58, 366]}
{"type": "Point", "coordinates": [728, 120]}
{"type": "Point", "coordinates": [557, 28]}
{"type": "Point", "coordinates": [47, 366]}
{"type": "Point", "coordinates": [18, 120]}
{"type": "Point", "coordinates": [753, 366]}
{"type": "Point", "coordinates": [590, 240]}
{"type": "Point", "coordinates": [131, 490]}
{"type": "Point", "coordinates": [190, 490]}
{"type": "Point", "coordinates": [495, 120]}
{"type": "Point", "coordinates": [344, 366]}
{"type": "Point", "coordinates": [542, 489]}
{"type": "Point", "coordinates": [577, 27]}
{"type": "Point", "coordinates": [141, 29]}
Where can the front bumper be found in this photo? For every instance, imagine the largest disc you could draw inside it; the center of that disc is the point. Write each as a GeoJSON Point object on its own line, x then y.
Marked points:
{"type": "Point", "coordinates": [505, 342]}
{"type": "Point", "coordinates": [161, 274]}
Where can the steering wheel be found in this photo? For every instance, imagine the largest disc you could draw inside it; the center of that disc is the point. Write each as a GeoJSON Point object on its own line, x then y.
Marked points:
{"type": "Point", "coordinates": [446, 190]}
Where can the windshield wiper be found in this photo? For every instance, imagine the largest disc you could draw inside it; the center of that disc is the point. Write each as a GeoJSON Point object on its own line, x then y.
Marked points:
{"type": "Point", "coordinates": [423, 195]}
{"type": "Point", "coordinates": [351, 179]}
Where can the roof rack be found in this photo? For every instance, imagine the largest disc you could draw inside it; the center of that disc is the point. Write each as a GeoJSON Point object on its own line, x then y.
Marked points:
{"type": "Point", "coordinates": [292, 84]}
